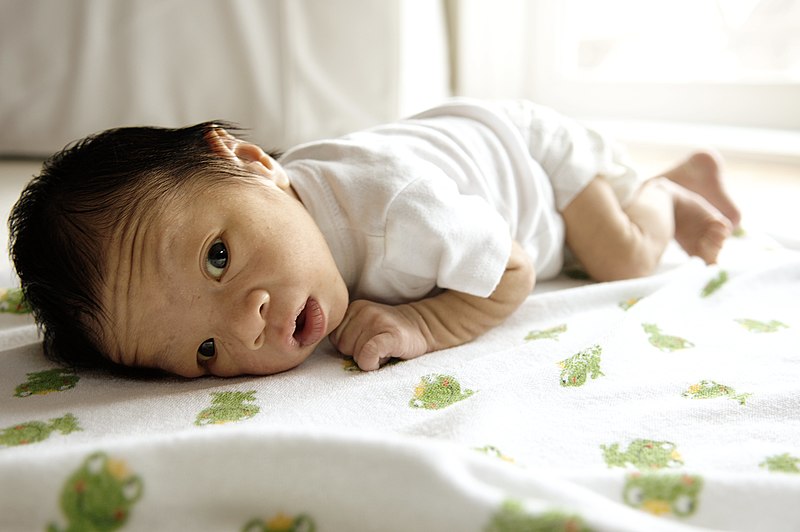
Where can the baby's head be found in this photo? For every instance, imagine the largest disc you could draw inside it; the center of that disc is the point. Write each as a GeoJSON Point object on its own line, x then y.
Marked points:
{"type": "Point", "coordinates": [185, 250]}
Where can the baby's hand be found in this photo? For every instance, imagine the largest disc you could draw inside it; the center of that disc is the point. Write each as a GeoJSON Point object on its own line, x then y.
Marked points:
{"type": "Point", "coordinates": [373, 333]}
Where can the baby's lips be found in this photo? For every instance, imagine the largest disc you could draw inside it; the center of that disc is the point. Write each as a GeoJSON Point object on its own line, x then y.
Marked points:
{"type": "Point", "coordinates": [313, 328]}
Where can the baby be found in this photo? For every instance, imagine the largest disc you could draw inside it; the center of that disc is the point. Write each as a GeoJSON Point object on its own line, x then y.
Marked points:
{"type": "Point", "coordinates": [195, 252]}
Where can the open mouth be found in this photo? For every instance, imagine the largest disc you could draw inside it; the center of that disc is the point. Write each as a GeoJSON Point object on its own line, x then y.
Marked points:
{"type": "Point", "coordinates": [309, 325]}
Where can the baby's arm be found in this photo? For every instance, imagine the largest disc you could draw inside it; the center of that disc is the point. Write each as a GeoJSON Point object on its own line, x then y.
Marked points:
{"type": "Point", "coordinates": [373, 333]}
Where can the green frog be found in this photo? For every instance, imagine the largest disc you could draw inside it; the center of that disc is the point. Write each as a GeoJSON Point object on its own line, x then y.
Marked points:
{"type": "Point", "coordinates": [438, 391]}
{"type": "Point", "coordinates": [714, 284]}
{"type": "Point", "coordinates": [547, 334]}
{"type": "Point", "coordinates": [628, 303]}
{"type": "Point", "coordinates": [349, 364]}
{"type": "Point", "coordinates": [47, 381]}
{"type": "Point", "coordinates": [756, 326]}
{"type": "Point", "coordinates": [491, 450]}
{"type": "Point", "coordinates": [575, 369]}
{"type": "Point", "coordinates": [281, 523]}
{"type": "Point", "coordinates": [785, 463]}
{"type": "Point", "coordinates": [99, 496]}
{"type": "Point", "coordinates": [665, 342]}
{"type": "Point", "coordinates": [662, 494]}
{"type": "Point", "coordinates": [512, 517]}
{"type": "Point", "coordinates": [706, 389]}
{"type": "Point", "coordinates": [643, 454]}
{"type": "Point", "coordinates": [228, 406]}
{"type": "Point", "coordinates": [36, 431]}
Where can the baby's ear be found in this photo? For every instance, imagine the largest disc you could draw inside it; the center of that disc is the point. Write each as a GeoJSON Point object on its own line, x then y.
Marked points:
{"type": "Point", "coordinates": [247, 155]}
{"type": "Point", "coordinates": [222, 142]}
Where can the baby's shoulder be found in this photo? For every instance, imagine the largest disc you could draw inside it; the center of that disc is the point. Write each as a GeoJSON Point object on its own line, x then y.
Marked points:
{"type": "Point", "coordinates": [361, 164]}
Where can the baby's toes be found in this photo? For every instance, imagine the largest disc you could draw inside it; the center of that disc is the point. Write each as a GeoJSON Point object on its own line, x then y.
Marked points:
{"type": "Point", "coordinates": [711, 241]}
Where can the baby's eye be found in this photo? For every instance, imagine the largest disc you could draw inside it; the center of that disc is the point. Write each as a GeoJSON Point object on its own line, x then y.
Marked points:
{"type": "Point", "coordinates": [217, 259]}
{"type": "Point", "coordinates": [207, 350]}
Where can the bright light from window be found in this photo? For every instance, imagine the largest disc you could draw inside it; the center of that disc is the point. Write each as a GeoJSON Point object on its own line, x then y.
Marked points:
{"type": "Point", "coordinates": [733, 41]}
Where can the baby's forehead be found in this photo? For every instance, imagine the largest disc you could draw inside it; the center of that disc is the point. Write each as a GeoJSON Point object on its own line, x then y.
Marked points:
{"type": "Point", "coordinates": [203, 184]}
{"type": "Point", "coordinates": [162, 218]}
{"type": "Point", "coordinates": [163, 199]}
{"type": "Point", "coordinates": [148, 217]}
{"type": "Point", "coordinates": [137, 284]}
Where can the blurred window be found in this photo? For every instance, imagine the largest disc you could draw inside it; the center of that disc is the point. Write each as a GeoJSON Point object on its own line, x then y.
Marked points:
{"type": "Point", "coordinates": [740, 41]}
{"type": "Point", "coordinates": [734, 62]}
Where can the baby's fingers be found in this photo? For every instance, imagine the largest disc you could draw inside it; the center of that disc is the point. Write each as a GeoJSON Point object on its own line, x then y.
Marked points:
{"type": "Point", "coordinates": [376, 351]}
{"type": "Point", "coordinates": [349, 338]}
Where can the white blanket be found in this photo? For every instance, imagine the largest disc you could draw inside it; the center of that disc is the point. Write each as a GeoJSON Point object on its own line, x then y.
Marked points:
{"type": "Point", "coordinates": [665, 403]}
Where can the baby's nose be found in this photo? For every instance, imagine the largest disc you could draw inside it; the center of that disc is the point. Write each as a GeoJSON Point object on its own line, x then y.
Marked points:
{"type": "Point", "coordinates": [248, 318]}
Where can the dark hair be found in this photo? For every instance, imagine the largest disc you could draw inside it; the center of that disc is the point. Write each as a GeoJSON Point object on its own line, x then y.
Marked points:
{"type": "Point", "coordinates": [60, 226]}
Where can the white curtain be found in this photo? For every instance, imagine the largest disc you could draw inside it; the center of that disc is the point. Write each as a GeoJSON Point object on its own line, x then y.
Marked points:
{"type": "Point", "coordinates": [290, 70]}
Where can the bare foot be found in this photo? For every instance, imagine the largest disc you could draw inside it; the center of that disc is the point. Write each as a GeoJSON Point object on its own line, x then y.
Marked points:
{"type": "Point", "coordinates": [700, 173]}
{"type": "Point", "coordinates": [700, 228]}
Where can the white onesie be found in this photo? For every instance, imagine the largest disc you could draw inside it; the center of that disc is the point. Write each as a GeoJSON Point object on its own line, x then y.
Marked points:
{"type": "Point", "coordinates": [434, 201]}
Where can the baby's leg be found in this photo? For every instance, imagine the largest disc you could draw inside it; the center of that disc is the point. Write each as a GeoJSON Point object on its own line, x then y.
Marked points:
{"type": "Point", "coordinates": [700, 228]}
{"type": "Point", "coordinates": [700, 173]}
{"type": "Point", "coordinates": [613, 242]}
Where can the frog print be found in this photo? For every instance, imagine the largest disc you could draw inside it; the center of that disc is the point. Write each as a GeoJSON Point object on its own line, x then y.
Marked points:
{"type": "Point", "coordinates": [706, 389]}
{"type": "Point", "coordinates": [576, 368]}
{"type": "Point", "coordinates": [784, 463]}
{"type": "Point", "coordinates": [281, 523]}
{"type": "Point", "coordinates": [714, 284]}
{"type": "Point", "coordinates": [643, 454]}
{"type": "Point", "coordinates": [47, 381]}
{"type": "Point", "coordinates": [227, 407]}
{"type": "Point", "coordinates": [13, 302]}
{"type": "Point", "coordinates": [755, 326]}
{"type": "Point", "coordinates": [438, 391]}
{"type": "Point", "coordinates": [36, 431]}
{"type": "Point", "coordinates": [662, 494]}
{"type": "Point", "coordinates": [547, 334]}
{"type": "Point", "coordinates": [349, 364]}
{"type": "Point", "coordinates": [99, 496]}
{"type": "Point", "coordinates": [491, 450]}
{"type": "Point", "coordinates": [665, 342]}
{"type": "Point", "coordinates": [628, 303]}
{"type": "Point", "coordinates": [512, 517]}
